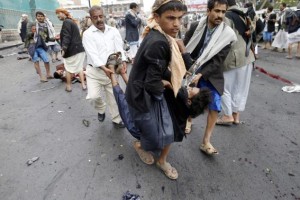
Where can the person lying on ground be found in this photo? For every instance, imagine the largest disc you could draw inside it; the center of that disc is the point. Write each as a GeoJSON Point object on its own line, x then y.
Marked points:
{"type": "Point", "coordinates": [60, 73]}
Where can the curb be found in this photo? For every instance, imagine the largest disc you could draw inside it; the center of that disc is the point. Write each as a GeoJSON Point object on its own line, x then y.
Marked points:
{"type": "Point", "coordinates": [10, 46]}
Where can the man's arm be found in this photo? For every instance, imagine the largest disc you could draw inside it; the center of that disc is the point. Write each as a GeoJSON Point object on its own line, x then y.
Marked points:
{"type": "Point", "coordinates": [91, 50]}
{"type": "Point", "coordinates": [157, 57]}
{"type": "Point", "coordinates": [213, 65]}
{"type": "Point", "coordinates": [134, 21]}
{"type": "Point", "coordinates": [67, 33]}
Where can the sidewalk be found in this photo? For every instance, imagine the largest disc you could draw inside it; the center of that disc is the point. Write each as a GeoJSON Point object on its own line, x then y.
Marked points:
{"type": "Point", "coordinates": [7, 45]}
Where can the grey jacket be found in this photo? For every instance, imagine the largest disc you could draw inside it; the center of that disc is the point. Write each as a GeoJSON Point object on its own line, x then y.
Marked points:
{"type": "Point", "coordinates": [237, 55]}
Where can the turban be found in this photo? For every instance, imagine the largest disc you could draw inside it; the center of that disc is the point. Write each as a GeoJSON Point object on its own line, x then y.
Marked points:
{"type": "Point", "coordinates": [64, 11]}
{"type": "Point", "coordinates": [158, 3]}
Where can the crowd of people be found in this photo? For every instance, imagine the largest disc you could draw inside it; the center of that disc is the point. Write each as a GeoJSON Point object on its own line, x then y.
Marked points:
{"type": "Point", "coordinates": [288, 32]}
{"type": "Point", "coordinates": [172, 80]}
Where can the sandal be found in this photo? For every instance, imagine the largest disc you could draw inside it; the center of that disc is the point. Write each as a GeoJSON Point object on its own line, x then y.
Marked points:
{"type": "Point", "coordinates": [43, 79]}
{"type": "Point", "coordinates": [145, 156]}
{"type": "Point", "coordinates": [68, 90]}
{"type": "Point", "coordinates": [238, 122]}
{"type": "Point", "coordinates": [208, 149]}
{"type": "Point", "coordinates": [50, 77]}
{"type": "Point", "coordinates": [168, 170]}
{"type": "Point", "coordinates": [221, 122]}
{"type": "Point", "coordinates": [289, 57]}
{"type": "Point", "coordinates": [188, 127]}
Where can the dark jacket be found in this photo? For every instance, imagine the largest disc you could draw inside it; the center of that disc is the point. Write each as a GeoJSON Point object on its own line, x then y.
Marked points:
{"type": "Point", "coordinates": [145, 80]}
{"type": "Point", "coordinates": [292, 23]}
{"type": "Point", "coordinates": [132, 24]}
{"type": "Point", "coordinates": [270, 23]}
{"type": "Point", "coordinates": [23, 30]}
{"type": "Point", "coordinates": [212, 70]}
{"type": "Point", "coordinates": [70, 38]}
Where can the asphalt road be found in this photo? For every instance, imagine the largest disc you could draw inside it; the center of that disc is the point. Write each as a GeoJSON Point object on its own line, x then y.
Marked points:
{"type": "Point", "coordinates": [258, 160]}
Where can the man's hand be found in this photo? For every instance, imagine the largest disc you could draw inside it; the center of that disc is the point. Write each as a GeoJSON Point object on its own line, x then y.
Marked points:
{"type": "Point", "coordinates": [167, 84]}
{"type": "Point", "coordinates": [107, 71]}
{"type": "Point", "coordinates": [196, 79]}
{"type": "Point", "coordinates": [181, 45]}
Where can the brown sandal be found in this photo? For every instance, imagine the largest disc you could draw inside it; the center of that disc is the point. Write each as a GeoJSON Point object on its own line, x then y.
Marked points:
{"type": "Point", "coordinates": [208, 149]}
{"type": "Point", "coordinates": [168, 170]}
{"type": "Point", "coordinates": [145, 156]}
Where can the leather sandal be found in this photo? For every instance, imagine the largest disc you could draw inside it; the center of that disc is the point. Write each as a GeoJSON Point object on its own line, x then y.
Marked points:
{"type": "Point", "coordinates": [146, 157]}
{"type": "Point", "coordinates": [222, 122]}
{"type": "Point", "coordinates": [208, 149]}
{"type": "Point", "coordinates": [168, 170]}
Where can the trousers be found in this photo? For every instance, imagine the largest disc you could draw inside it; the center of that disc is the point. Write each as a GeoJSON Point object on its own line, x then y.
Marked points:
{"type": "Point", "coordinates": [97, 81]}
{"type": "Point", "coordinates": [236, 88]}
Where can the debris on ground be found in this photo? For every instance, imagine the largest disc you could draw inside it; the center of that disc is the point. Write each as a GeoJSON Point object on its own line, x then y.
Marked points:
{"type": "Point", "coordinates": [267, 171]}
{"type": "Point", "coordinates": [60, 111]}
{"type": "Point", "coordinates": [22, 57]}
{"type": "Point", "coordinates": [129, 196]}
{"type": "Point", "coordinates": [121, 156]}
{"type": "Point", "coordinates": [32, 160]}
{"type": "Point", "coordinates": [290, 89]}
{"type": "Point", "coordinates": [290, 174]}
{"type": "Point", "coordinates": [86, 123]}
{"type": "Point", "coordinates": [21, 52]}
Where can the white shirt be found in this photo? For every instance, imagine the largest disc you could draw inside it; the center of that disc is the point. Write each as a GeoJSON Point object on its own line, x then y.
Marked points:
{"type": "Point", "coordinates": [99, 45]}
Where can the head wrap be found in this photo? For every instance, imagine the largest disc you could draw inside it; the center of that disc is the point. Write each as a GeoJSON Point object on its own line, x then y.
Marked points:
{"type": "Point", "coordinates": [158, 3]}
{"type": "Point", "coordinates": [176, 65]}
{"type": "Point", "coordinates": [64, 11]}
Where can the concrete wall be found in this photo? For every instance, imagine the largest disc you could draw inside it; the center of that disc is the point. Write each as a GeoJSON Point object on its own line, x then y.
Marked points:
{"type": "Point", "coordinates": [9, 35]}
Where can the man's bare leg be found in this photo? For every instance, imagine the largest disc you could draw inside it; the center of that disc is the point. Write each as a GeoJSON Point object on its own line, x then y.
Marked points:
{"type": "Point", "coordinates": [39, 72]}
{"type": "Point", "coordinates": [236, 116]}
{"type": "Point", "coordinates": [290, 51]}
{"type": "Point", "coordinates": [210, 125]}
{"type": "Point", "coordinates": [81, 77]}
{"type": "Point", "coordinates": [47, 66]}
{"type": "Point", "coordinates": [298, 50]}
{"type": "Point", "coordinates": [162, 163]}
{"type": "Point", "coordinates": [68, 83]}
